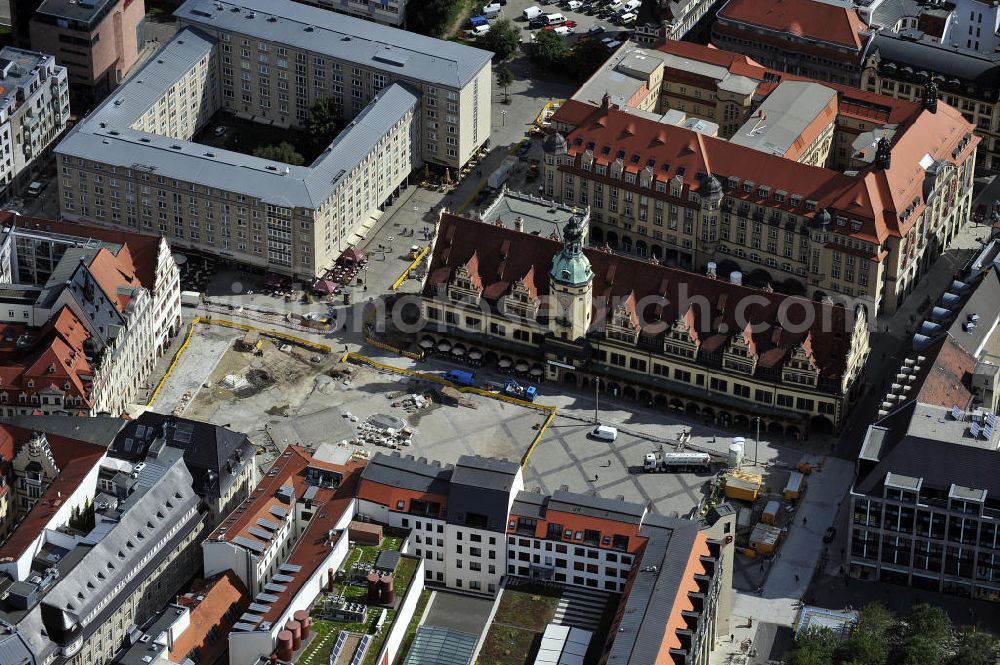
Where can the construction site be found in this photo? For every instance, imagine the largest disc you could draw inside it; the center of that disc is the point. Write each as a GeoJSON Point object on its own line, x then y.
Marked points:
{"type": "Point", "coordinates": [282, 393]}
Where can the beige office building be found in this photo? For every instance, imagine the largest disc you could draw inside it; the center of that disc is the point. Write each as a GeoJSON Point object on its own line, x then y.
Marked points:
{"type": "Point", "coordinates": [133, 164]}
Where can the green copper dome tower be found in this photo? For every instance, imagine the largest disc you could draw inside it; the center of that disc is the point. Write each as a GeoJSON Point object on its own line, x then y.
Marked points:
{"type": "Point", "coordinates": [571, 285]}
{"type": "Point", "coordinates": [571, 266]}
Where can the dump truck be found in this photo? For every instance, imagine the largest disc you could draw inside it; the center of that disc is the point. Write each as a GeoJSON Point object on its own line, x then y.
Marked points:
{"type": "Point", "coordinates": [514, 389]}
{"type": "Point", "coordinates": [743, 486]}
{"type": "Point", "coordinates": [661, 461]}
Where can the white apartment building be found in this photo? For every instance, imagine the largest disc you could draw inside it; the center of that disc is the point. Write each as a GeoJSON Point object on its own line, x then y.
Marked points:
{"type": "Point", "coordinates": [456, 517]}
{"type": "Point", "coordinates": [131, 165]}
{"type": "Point", "coordinates": [387, 12]}
{"type": "Point", "coordinates": [88, 317]}
{"type": "Point", "coordinates": [34, 108]}
{"type": "Point", "coordinates": [278, 57]}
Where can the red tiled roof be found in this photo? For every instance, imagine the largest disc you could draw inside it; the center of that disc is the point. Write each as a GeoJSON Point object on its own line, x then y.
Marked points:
{"type": "Point", "coordinates": [877, 198]}
{"type": "Point", "coordinates": [313, 547]}
{"type": "Point", "coordinates": [948, 380]}
{"type": "Point", "coordinates": [853, 102]}
{"type": "Point", "coordinates": [480, 248]}
{"type": "Point", "coordinates": [55, 357]}
{"type": "Point", "coordinates": [216, 596]}
{"type": "Point", "coordinates": [811, 19]}
{"type": "Point", "coordinates": [737, 63]}
{"type": "Point", "coordinates": [143, 249]}
{"type": "Point", "coordinates": [75, 460]}
{"type": "Point", "coordinates": [113, 273]}
{"type": "Point", "coordinates": [289, 469]}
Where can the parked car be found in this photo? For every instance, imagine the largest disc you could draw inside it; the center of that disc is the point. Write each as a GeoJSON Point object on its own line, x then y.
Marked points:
{"type": "Point", "coordinates": [35, 188]}
{"type": "Point", "coordinates": [570, 24]}
{"type": "Point", "coordinates": [574, 5]}
{"type": "Point", "coordinates": [596, 29]}
{"type": "Point", "coordinates": [605, 433]}
{"type": "Point", "coordinates": [220, 130]}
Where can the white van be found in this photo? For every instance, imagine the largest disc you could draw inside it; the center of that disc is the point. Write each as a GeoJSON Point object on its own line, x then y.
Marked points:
{"type": "Point", "coordinates": [574, 5]}
{"type": "Point", "coordinates": [563, 31]}
{"type": "Point", "coordinates": [605, 433]}
{"type": "Point", "coordinates": [633, 5]}
{"type": "Point", "coordinates": [492, 10]}
{"type": "Point", "coordinates": [627, 18]}
{"type": "Point", "coordinates": [35, 188]}
{"type": "Point", "coordinates": [554, 19]}
{"type": "Point", "coordinates": [531, 12]}
{"type": "Point", "coordinates": [479, 30]}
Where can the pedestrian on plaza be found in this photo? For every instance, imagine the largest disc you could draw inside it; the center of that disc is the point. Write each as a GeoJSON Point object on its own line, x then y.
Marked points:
{"type": "Point", "coordinates": [796, 578]}
{"type": "Point", "coordinates": [732, 638]}
{"type": "Point", "coordinates": [803, 521]}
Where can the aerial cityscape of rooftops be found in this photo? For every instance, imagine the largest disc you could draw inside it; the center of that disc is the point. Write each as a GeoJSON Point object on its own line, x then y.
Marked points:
{"type": "Point", "coordinates": [515, 332]}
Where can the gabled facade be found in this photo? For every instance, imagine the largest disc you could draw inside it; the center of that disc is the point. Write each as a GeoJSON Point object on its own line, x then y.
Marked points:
{"type": "Point", "coordinates": [83, 319]}
{"type": "Point", "coordinates": [857, 216]}
{"type": "Point", "coordinates": [664, 336]}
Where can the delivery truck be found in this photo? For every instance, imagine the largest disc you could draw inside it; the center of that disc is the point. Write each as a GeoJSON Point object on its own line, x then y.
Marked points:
{"type": "Point", "coordinates": [677, 462]}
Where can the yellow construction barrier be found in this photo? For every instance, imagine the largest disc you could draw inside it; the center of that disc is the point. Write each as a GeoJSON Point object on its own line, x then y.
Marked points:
{"type": "Point", "coordinates": [173, 363]}
{"type": "Point", "coordinates": [540, 120]}
{"type": "Point", "coordinates": [406, 273]}
{"type": "Point", "coordinates": [265, 332]}
{"type": "Point", "coordinates": [538, 437]}
{"type": "Point", "coordinates": [323, 348]}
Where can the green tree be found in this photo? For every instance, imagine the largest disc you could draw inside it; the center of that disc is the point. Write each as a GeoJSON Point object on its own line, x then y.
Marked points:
{"type": "Point", "coordinates": [925, 633]}
{"type": "Point", "coordinates": [283, 152]}
{"type": "Point", "coordinates": [431, 17]}
{"type": "Point", "coordinates": [325, 119]}
{"type": "Point", "coordinates": [870, 641]}
{"type": "Point", "coordinates": [548, 49]}
{"type": "Point", "coordinates": [504, 78]}
{"type": "Point", "coordinates": [587, 56]}
{"type": "Point", "coordinates": [813, 647]}
{"type": "Point", "coordinates": [503, 39]}
{"type": "Point", "coordinates": [974, 648]}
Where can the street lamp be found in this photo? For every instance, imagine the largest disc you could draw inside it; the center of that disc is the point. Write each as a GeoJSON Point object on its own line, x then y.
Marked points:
{"type": "Point", "coordinates": [756, 444]}
{"type": "Point", "coordinates": [503, 117]}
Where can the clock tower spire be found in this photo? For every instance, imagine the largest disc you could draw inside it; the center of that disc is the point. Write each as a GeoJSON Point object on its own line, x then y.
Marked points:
{"type": "Point", "coordinates": [571, 284]}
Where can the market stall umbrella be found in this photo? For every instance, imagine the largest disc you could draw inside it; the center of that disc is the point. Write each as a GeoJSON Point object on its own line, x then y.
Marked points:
{"type": "Point", "coordinates": [521, 366]}
{"type": "Point", "coordinates": [427, 343]}
{"type": "Point", "coordinates": [352, 256]}
{"type": "Point", "coordinates": [444, 345]}
{"type": "Point", "coordinates": [505, 362]}
{"type": "Point", "coordinates": [536, 371]}
{"type": "Point", "coordinates": [475, 354]}
{"type": "Point", "coordinates": [324, 287]}
{"type": "Point", "coordinates": [458, 350]}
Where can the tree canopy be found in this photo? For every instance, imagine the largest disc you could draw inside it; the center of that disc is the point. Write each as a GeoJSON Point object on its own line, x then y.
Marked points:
{"type": "Point", "coordinates": [503, 39]}
{"type": "Point", "coordinates": [283, 152]}
{"type": "Point", "coordinates": [431, 17]}
{"type": "Point", "coordinates": [504, 78]}
{"type": "Point", "coordinates": [923, 637]}
{"type": "Point", "coordinates": [325, 118]}
{"type": "Point", "coordinates": [548, 49]}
